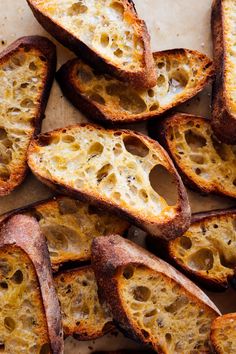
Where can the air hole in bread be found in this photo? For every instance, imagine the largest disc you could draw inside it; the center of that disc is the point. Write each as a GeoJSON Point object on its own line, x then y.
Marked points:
{"type": "Point", "coordinates": [143, 195]}
{"type": "Point", "coordinates": [45, 349]}
{"type": "Point", "coordinates": [4, 173]}
{"type": "Point", "coordinates": [185, 242]}
{"type": "Point", "coordinates": [168, 338]}
{"type": "Point", "coordinates": [228, 263]}
{"type": "Point", "coordinates": [151, 313]}
{"type": "Point", "coordinates": [4, 285]}
{"type": "Point", "coordinates": [161, 80]}
{"type": "Point", "coordinates": [199, 159]}
{"type": "Point", "coordinates": [68, 139]}
{"type": "Point", "coordinates": [3, 134]}
{"type": "Point", "coordinates": [175, 306]}
{"type": "Point", "coordinates": [55, 235]}
{"type": "Point", "coordinates": [67, 206]}
{"type": "Point", "coordinates": [96, 97]}
{"type": "Point", "coordinates": [9, 324]}
{"type": "Point", "coordinates": [95, 149]}
{"type": "Point", "coordinates": [195, 141]}
{"type": "Point", "coordinates": [145, 333]}
{"type": "Point", "coordinates": [178, 80]}
{"type": "Point", "coordinates": [77, 8]}
{"type": "Point", "coordinates": [2, 347]}
{"type": "Point", "coordinates": [201, 260]}
{"type": "Point", "coordinates": [154, 107]}
{"type": "Point", "coordinates": [220, 148]}
{"type": "Point", "coordinates": [141, 293]}
{"type": "Point", "coordinates": [17, 277]}
{"type": "Point", "coordinates": [119, 8]}
{"type": "Point", "coordinates": [161, 65]}
{"type": "Point", "coordinates": [18, 60]}
{"type": "Point", "coordinates": [105, 39]}
{"type": "Point", "coordinates": [103, 172]}
{"type": "Point", "coordinates": [132, 102]}
{"type": "Point", "coordinates": [33, 66]}
{"type": "Point", "coordinates": [151, 93]}
{"type": "Point", "coordinates": [84, 75]}
{"type": "Point", "coordinates": [27, 103]}
{"type": "Point", "coordinates": [128, 272]}
{"type": "Point", "coordinates": [135, 146]}
{"type": "Point", "coordinates": [118, 53]}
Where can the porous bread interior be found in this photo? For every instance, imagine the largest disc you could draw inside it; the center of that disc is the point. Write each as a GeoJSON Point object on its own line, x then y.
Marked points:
{"type": "Point", "coordinates": [163, 312]}
{"type": "Point", "coordinates": [109, 165]}
{"type": "Point", "coordinates": [179, 74]}
{"type": "Point", "coordinates": [208, 247]}
{"type": "Point", "coordinates": [224, 334]}
{"type": "Point", "coordinates": [23, 327]}
{"type": "Point", "coordinates": [21, 78]}
{"type": "Point", "coordinates": [201, 156]}
{"type": "Point", "coordinates": [82, 312]}
{"type": "Point", "coordinates": [109, 27]}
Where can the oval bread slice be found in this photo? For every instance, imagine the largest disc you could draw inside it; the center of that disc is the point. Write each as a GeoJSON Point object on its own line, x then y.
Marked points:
{"type": "Point", "coordinates": [223, 334]}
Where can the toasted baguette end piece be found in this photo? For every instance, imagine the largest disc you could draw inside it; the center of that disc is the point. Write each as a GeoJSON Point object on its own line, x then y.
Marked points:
{"type": "Point", "coordinates": [223, 334]}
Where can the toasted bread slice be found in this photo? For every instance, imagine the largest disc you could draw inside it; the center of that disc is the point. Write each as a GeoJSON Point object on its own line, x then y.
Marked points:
{"type": "Point", "coordinates": [127, 352]}
{"type": "Point", "coordinates": [204, 163]}
{"type": "Point", "coordinates": [30, 313]}
{"type": "Point", "coordinates": [115, 169]}
{"type": "Point", "coordinates": [150, 300]}
{"type": "Point", "coordinates": [223, 95]}
{"type": "Point", "coordinates": [27, 68]}
{"type": "Point", "coordinates": [70, 226]}
{"type": "Point", "coordinates": [83, 315]}
{"type": "Point", "coordinates": [108, 34]}
{"type": "Point", "coordinates": [223, 334]}
{"type": "Point", "coordinates": [181, 74]}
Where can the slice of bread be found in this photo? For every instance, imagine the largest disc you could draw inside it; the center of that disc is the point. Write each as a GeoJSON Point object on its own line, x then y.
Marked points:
{"type": "Point", "coordinates": [151, 301]}
{"type": "Point", "coordinates": [204, 163]}
{"type": "Point", "coordinates": [223, 334]}
{"type": "Point", "coordinates": [223, 95]}
{"type": "Point", "coordinates": [181, 74]}
{"type": "Point", "coordinates": [108, 34]}
{"type": "Point", "coordinates": [70, 226]}
{"type": "Point", "coordinates": [27, 69]}
{"type": "Point", "coordinates": [126, 352]}
{"type": "Point", "coordinates": [30, 314]}
{"type": "Point", "coordinates": [117, 169]}
{"type": "Point", "coordinates": [83, 315]}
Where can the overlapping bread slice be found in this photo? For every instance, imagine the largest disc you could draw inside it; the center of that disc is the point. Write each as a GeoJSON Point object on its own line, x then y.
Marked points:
{"type": "Point", "coordinates": [70, 226]}
{"type": "Point", "coordinates": [223, 334]}
{"type": "Point", "coordinates": [150, 300]}
{"type": "Point", "coordinates": [204, 163]}
{"type": "Point", "coordinates": [30, 314]}
{"type": "Point", "coordinates": [181, 74]}
{"type": "Point", "coordinates": [27, 69]}
{"type": "Point", "coordinates": [106, 33]}
{"type": "Point", "coordinates": [118, 169]}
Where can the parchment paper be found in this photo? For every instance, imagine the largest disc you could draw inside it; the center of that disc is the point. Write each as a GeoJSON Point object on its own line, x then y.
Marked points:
{"type": "Point", "coordinates": [172, 24]}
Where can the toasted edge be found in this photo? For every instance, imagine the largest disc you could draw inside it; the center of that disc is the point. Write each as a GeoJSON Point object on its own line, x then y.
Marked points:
{"type": "Point", "coordinates": [131, 351]}
{"type": "Point", "coordinates": [217, 324]}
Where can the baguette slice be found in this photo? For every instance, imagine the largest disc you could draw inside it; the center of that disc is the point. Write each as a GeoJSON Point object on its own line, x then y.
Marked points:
{"type": "Point", "coordinates": [181, 74]}
{"type": "Point", "coordinates": [114, 169]}
{"type": "Point", "coordinates": [150, 300]}
{"type": "Point", "coordinates": [204, 163]}
{"type": "Point", "coordinates": [223, 96]}
{"type": "Point", "coordinates": [27, 69]}
{"type": "Point", "coordinates": [126, 352]}
{"type": "Point", "coordinates": [70, 226]}
{"type": "Point", "coordinates": [108, 34]}
{"type": "Point", "coordinates": [223, 334]}
{"type": "Point", "coordinates": [30, 314]}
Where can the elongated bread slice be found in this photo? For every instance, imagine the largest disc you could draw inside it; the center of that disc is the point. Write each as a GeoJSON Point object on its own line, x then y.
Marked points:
{"type": "Point", "coordinates": [204, 163]}
{"type": "Point", "coordinates": [27, 69]}
{"type": "Point", "coordinates": [117, 170]}
{"type": "Point", "coordinates": [70, 226]}
{"type": "Point", "coordinates": [30, 314]}
{"type": "Point", "coordinates": [83, 315]}
{"type": "Point", "coordinates": [150, 300]}
{"type": "Point", "coordinates": [108, 34]}
{"type": "Point", "coordinates": [223, 334]}
{"type": "Point", "coordinates": [181, 74]}
{"type": "Point", "coordinates": [223, 96]}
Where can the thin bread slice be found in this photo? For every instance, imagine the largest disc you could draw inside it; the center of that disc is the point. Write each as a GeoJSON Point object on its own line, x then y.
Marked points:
{"type": "Point", "coordinates": [27, 69]}
{"type": "Point", "coordinates": [70, 226]}
{"type": "Point", "coordinates": [204, 163]}
{"type": "Point", "coordinates": [117, 170]}
{"type": "Point", "coordinates": [151, 301]}
{"type": "Point", "coordinates": [223, 334]}
{"type": "Point", "coordinates": [108, 34]}
{"type": "Point", "coordinates": [181, 74]}
{"type": "Point", "coordinates": [83, 315]}
{"type": "Point", "coordinates": [30, 313]}
{"type": "Point", "coordinates": [223, 95]}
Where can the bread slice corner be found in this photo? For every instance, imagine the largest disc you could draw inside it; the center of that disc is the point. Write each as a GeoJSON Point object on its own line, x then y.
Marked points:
{"type": "Point", "coordinates": [223, 334]}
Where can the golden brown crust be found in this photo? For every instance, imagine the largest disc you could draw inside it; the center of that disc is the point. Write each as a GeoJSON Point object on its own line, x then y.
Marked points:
{"type": "Point", "coordinates": [126, 352]}
{"type": "Point", "coordinates": [223, 334]}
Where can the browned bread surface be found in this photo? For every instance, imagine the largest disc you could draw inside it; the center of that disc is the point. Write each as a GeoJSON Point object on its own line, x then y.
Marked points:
{"type": "Point", "coordinates": [223, 334]}
{"type": "Point", "coordinates": [181, 74]}
{"type": "Point", "coordinates": [126, 352]}
{"type": "Point", "coordinates": [27, 69]}
{"type": "Point", "coordinates": [150, 300]}
{"type": "Point", "coordinates": [114, 169]}
{"type": "Point", "coordinates": [108, 34]}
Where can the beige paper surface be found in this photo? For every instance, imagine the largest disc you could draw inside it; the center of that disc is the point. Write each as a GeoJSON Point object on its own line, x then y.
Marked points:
{"type": "Point", "coordinates": [172, 24]}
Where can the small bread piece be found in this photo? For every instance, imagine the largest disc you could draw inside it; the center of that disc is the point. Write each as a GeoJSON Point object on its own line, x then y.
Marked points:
{"type": "Point", "coordinates": [204, 163]}
{"type": "Point", "coordinates": [114, 169]}
{"type": "Point", "coordinates": [223, 334]}
{"type": "Point", "coordinates": [30, 313]}
{"type": "Point", "coordinates": [83, 315]}
{"type": "Point", "coordinates": [150, 300]}
{"type": "Point", "coordinates": [108, 34]}
{"type": "Point", "coordinates": [181, 74]}
{"type": "Point", "coordinates": [70, 226]}
{"type": "Point", "coordinates": [223, 95]}
{"type": "Point", "coordinates": [27, 69]}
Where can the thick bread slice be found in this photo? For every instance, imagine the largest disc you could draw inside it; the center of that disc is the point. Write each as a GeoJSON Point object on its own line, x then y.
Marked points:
{"type": "Point", "coordinates": [204, 163]}
{"type": "Point", "coordinates": [27, 69]}
{"type": "Point", "coordinates": [150, 300]}
{"type": "Point", "coordinates": [114, 169]}
{"type": "Point", "coordinates": [70, 226]}
{"type": "Point", "coordinates": [223, 97]}
{"type": "Point", "coordinates": [108, 34]}
{"type": "Point", "coordinates": [223, 334]}
{"type": "Point", "coordinates": [83, 315]}
{"type": "Point", "coordinates": [30, 314]}
{"type": "Point", "coordinates": [181, 74]}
